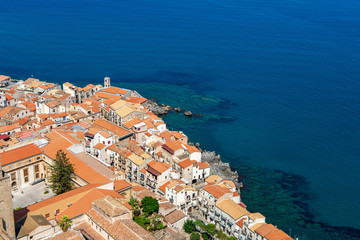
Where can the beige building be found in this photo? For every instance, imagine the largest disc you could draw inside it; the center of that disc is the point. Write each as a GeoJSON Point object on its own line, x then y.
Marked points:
{"type": "Point", "coordinates": [24, 165]}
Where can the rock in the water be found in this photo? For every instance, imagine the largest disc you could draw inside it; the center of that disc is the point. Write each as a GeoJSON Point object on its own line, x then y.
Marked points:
{"type": "Point", "coordinates": [197, 145]}
{"type": "Point", "coordinates": [177, 109]}
{"type": "Point", "coordinates": [220, 168]}
{"type": "Point", "coordinates": [155, 108]}
{"type": "Point", "coordinates": [188, 113]}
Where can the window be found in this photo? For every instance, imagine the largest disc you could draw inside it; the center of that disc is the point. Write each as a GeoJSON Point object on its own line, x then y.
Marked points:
{"type": "Point", "coordinates": [3, 224]}
{"type": "Point", "coordinates": [38, 158]}
{"type": "Point", "coordinates": [13, 176]}
{"type": "Point", "coordinates": [47, 215]}
{"type": "Point", "coordinates": [26, 175]}
{"type": "Point", "coordinates": [36, 168]}
{"type": "Point", "coordinates": [37, 175]}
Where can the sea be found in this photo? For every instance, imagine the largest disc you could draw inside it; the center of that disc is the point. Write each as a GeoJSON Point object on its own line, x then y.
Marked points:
{"type": "Point", "coordinates": [274, 86]}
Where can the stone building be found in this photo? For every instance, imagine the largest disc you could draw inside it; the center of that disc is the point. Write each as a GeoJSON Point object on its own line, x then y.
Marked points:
{"type": "Point", "coordinates": [7, 226]}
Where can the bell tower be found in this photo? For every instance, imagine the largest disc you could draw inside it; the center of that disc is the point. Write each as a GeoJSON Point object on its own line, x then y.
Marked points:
{"type": "Point", "coordinates": [106, 82]}
{"type": "Point", "coordinates": [7, 225]}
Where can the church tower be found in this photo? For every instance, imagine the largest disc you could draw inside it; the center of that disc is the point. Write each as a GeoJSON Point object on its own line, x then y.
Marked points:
{"type": "Point", "coordinates": [7, 225]}
{"type": "Point", "coordinates": [106, 82]}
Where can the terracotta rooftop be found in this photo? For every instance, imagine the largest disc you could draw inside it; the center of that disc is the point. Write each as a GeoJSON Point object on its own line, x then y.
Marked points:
{"type": "Point", "coordinates": [83, 170]}
{"type": "Point", "coordinates": [278, 235]}
{"type": "Point", "coordinates": [174, 216]}
{"type": "Point", "coordinates": [139, 100]}
{"type": "Point", "coordinates": [213, 178]}
{"type": "Point", "coordinates": [86, 227]}
{"type": "Point", "coordinates": [69, 235]}
{"type": "Point", "coordinates": [167, 205]}
{"type": "Point", "coordinates": [99, 146]}
{"type": "Point", "coordinates": [52, 204]}
{"type": "Point", "coordinates": [84, 204]}
{"type": "Point", "coordinates": [19, 153]}
{"type": "Point", "coordinates": [185, 163]}
{"type": "Point", "coordinates": [174, 145]}
{"type": "Point", "coordinates": [120, 185]}
{"type": "Point", "coordinates": [159, 166]}
{"type": "Point", "coordinates": [104, 95]}
{"type": "Point", "coordinates": [115, 90]}
{"type": "Point", "coordinates": [232, 209]}
{"type": "Point", "coordinates": [105, 134]}
{"type": "Point", "coordinates": [121, 132]}
{"type": "Point", "coordinates": [265, 229]}
{"type": "Point", "coordinates": [111, 207]}
{"type": "Point", "coordinates": [3, 78]}
{"type": "Point", "coordinates": [121, 229]}
{"type": "Point", "coordinates": [132, 122]}
{"type": "Point", "coordinates": [203, 165]}
{"type": "Point", "coordinates": [215, 190]}
{"type": "Point", "coordinates": [53, 104]}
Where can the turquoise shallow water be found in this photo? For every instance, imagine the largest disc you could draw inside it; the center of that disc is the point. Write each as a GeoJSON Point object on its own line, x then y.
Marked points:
{"type": "Point", "coordinates": [277, 83]}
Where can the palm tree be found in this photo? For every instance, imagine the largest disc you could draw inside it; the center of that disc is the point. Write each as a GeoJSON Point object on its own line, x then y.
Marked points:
{"type": "Point", "coordinates": [134, 203]}
{"type": "Point", "coordinates": [65, 223]}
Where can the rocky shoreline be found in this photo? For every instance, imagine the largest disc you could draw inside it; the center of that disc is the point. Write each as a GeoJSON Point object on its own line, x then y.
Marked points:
{"type": "Point", "coordinates": [163, 109]}
{"type": "Point", "coordinates": [218, 167]}
{"type": "Point", "coordinates": [221, 168]}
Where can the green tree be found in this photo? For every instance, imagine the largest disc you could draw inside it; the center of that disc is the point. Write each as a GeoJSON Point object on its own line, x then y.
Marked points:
{"type": "Point", "coordinates": [199, 223]}
{"type": "Point", "coordinates": [205, 236]}
{"type": "Point", "coordinates": [149, 205]}
{"type": "Point", "coordinates": [142, 221]}
{"type": "Point", "coordinates": [210, 229]}
{"type": "Point", "coordinates": [65, 223]}
{"type": "Point", "coordinates": [189, 226]}
{"type": "Point", "coordinates": [231, 238]}
{"type": "Point", "coordinates": [61, 173]}
{"type": "Point", "coordinates": [195, 236]}
{"type": "Point", "coordinates": [221, 235]}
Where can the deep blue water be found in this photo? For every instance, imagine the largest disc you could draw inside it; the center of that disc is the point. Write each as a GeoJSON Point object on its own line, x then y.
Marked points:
{"type": "Point", "coordinates": [277, 81]}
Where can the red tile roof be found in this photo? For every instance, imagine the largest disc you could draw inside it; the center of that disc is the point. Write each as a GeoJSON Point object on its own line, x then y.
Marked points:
{"type": "Point", "coordinates": [121, 132]}
{"type": "Point", "coordinates": [159, 166]}
{"type": "Point", "coordinates": [216, 190]}
{"type": "Point", "coordinates": [56, 200]}
{"type": "Point", "coordinates": [99, 146]}
{"type": "Point", "coordinates": [186, 163]}
{"type": "Point", "coordinates": [83, 170]}
{"type": "Point", "coordinates": [84, 204]}
{"type": "Point", "coordinates": [115, 90]}
{"type": "Point", "coordinates": [203, 165]}
{"type": "Point", "coordinates": [174, 216]}
{"type": "Point", "coordinates": [19, 153]}
{"type": "Point", "coordinates": [120, 185]}
{"type": "Point", "coordinates": [139, 100]}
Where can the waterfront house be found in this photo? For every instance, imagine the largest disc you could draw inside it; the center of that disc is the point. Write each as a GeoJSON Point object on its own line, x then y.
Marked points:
{"type": "Point", "coordinates": [227, 214]}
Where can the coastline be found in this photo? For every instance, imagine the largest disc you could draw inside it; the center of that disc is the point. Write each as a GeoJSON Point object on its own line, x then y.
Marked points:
{"type": "Point", "coordinates": [292, 194]}
{"type": "Point", "coordinates": [286, 184]}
